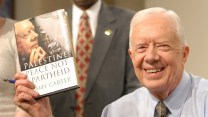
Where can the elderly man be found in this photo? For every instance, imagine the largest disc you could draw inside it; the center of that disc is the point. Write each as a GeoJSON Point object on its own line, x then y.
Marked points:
{"type": "Point", "coordinates": [158, 51]}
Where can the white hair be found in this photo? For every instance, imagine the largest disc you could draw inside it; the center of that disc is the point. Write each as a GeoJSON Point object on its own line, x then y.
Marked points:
{"type": "Point", "coordinates": [143, 14]}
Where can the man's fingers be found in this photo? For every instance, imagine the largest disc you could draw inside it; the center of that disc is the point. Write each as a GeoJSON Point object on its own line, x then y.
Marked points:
{"type": "Point", "coordinates": [41, 52]}
{"type": "Point", "coordinates": [20, 89]}
{"type": "Point", "coordinates": [33, 55]}
{"type": "Point", "coordinates": [37, 54]}
{"type": "Point", "coordinates": [24, 98]}
{"type": "Point", "coordinates": [19, 75]}
{"type": "Point", "coordinates": [24, 82]}
{"type": "Point", "coordinates": [23, 104]}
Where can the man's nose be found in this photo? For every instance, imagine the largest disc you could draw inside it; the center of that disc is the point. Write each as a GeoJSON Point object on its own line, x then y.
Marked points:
{"type": "Point", "coordinates": [151, 55]}
{"type": "Point", "coordinates": [34, 36]}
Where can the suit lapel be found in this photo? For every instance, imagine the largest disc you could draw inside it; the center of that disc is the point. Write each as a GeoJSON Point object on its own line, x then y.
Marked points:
{"type": "Point", "coordinates": [104, 34]}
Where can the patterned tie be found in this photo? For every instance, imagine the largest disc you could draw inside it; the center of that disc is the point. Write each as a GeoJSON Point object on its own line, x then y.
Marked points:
{"type": "Point", "coordinates": [161, 109]}
{"type": "Point", "coordinates": [83, 52]}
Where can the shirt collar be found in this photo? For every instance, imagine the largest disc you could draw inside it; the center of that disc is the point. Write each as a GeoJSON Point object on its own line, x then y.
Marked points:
{"type": "Point", "coordinates": [174, 102]}
{"type": "Point", "coordinates": [177, 98]}
{"type": "Point", "coordinates": [92, 12]}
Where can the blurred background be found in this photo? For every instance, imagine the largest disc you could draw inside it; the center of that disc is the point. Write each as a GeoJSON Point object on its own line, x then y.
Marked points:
{"type": "Point", "coordinates": [192, 13]}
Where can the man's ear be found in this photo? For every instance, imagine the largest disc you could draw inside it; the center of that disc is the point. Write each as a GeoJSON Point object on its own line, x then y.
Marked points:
{"type": "Point", "coordinates": [185, 53]}
{"type": "Point", "coordinates": [131, 54]}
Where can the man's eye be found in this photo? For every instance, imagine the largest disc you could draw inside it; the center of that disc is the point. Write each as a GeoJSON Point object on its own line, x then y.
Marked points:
{"type": "Point", "coordinates": [25, 36]}
{"type": "Point", "coordinates": [141, 49]}
{"type": "Point", "coordinates": [164, 47]}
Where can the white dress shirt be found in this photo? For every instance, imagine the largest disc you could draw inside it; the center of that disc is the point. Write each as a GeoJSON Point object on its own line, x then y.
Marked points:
{"type": "Point", "coordinates": [92, 13]}
{"type": "Point", "coordinates": [189, 99]}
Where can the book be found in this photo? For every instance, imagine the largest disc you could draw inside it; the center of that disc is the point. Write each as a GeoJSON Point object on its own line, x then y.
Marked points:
{"type": "Point", "coordinates": [45, 51]}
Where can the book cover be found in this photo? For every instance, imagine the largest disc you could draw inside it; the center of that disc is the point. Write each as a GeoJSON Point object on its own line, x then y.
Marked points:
{"type": "Point", "coordinates": [45, 51]}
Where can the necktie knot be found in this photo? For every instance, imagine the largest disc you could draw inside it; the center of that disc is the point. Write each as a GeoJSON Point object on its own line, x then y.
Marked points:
{"type": "Point", "coordinates": [84, 16]}
{"type": "Point", "coordinates": [161, 109]}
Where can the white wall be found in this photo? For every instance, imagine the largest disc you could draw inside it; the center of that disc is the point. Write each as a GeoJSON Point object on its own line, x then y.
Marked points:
{"type": "Point", "coordinates": [194, 16]}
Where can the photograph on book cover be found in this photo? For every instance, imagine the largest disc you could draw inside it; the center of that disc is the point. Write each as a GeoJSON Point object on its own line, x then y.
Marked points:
{"type": "Point", "coordinates": [45, 52]}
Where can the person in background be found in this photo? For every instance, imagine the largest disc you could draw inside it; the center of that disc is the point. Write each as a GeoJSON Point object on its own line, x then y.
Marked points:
{"type": "Point", "coordinates": [8, 66]}
{"type": "Point", "coordinates": [110, 74]}
{"type": "Point", "coordinates": [159, 52]}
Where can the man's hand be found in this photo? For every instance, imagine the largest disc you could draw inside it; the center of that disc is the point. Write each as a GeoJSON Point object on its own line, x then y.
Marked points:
{"type": "Point", "coordinates": [37, 54]}
{"type": "Point", "coordinates": [25, 98]}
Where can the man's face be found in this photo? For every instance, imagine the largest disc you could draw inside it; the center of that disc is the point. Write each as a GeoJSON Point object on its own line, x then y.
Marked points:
{"type": "Point", "coordinates": [84, 4]}
{"type": "Point", "coordinates": [27, 39]}
{"type": "Point", "coordinates": [157, 54]}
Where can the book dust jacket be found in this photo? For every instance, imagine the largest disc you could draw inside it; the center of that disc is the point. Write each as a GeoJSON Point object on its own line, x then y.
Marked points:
{"type": "Point", "coordinates": [45, 51]}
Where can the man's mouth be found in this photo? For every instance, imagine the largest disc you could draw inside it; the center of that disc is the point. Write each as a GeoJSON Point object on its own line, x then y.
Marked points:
{"type": "Point", "coordinates": [153, 70]}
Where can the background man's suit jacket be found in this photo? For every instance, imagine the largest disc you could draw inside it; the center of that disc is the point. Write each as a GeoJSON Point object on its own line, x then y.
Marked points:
{"type": "Point", "coordinates": [111, 73]}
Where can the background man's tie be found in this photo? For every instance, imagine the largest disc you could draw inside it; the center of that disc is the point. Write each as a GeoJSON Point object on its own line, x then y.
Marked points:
{"type": "Point", "coordinates": [161, 109]}
{"type": "Point", "coordinates": [83, 53]}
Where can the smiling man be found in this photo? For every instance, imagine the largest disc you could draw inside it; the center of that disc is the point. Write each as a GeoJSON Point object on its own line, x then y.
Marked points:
{"type": "Point", "coordinates": [158, 51]}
